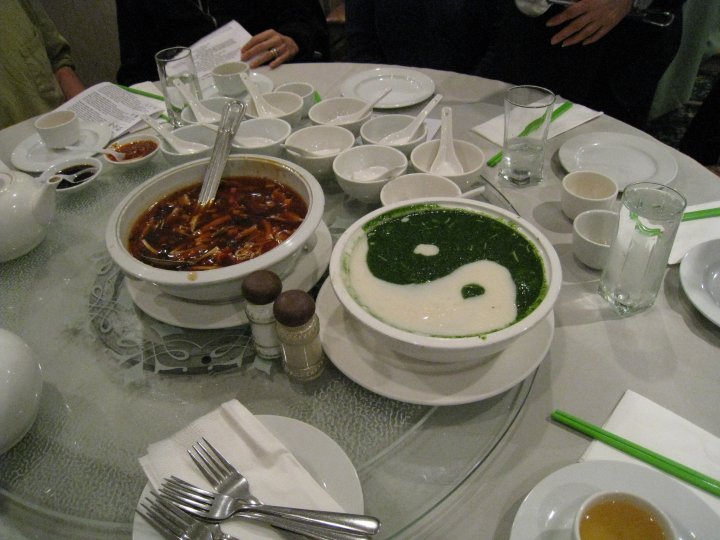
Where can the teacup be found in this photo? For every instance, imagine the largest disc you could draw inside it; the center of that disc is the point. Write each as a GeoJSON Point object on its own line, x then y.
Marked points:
{"type": "Point", "coordinates": [58, 129]}
{"type": "Point", "coordinates": [227, 78]}
{"type": "Point", "coordinates": [593, 231]}
{"type": "Point", "coordinates": [587, 190]}
{"type": "Point", "coordinates": [616, 514]}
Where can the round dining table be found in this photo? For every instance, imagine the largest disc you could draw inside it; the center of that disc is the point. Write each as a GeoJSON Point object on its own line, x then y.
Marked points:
{"type": "Point", "coordinates": [117, 379]}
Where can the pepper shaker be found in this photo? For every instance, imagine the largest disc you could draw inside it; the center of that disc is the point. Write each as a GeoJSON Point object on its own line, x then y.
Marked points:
{"type": "Point", "coordinates": [260, 290]}
{"type": "Point", "coordinates": [298, 328]}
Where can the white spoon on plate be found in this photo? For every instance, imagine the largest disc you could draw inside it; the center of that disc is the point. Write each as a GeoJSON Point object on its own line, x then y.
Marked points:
{"type": "Point", "coordinates": [446, 161]}
{"type": "Point", "coordinates": [201, 112]}
{"type": "Point", "coordinates": [184, 147]}
{"type": "Point", "coordinates": [407, 133]}
{"type": "Point", "coordinates": [357, 115]}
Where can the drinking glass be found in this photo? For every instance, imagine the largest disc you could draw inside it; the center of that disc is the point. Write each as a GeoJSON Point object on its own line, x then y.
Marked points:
{"type": "Point", "coordinates": [649, 218]}
{"type": "Point", "coordinates": [527, 118]}
{"type": "Point", "coordinates": [176, 64]}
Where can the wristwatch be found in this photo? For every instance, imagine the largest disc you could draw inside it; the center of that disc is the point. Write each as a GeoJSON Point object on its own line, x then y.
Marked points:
{"type": "Point", "coordinates": [641, 5]}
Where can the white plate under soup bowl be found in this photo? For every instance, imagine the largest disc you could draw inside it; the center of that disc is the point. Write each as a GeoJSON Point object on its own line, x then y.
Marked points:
{"type": "Point", "coordinates": [220, 284]}
{"type": "Point", "coordinates": [457, 311]}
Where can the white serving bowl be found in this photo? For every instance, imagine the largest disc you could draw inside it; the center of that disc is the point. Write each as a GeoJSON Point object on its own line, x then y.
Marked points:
{"type": "Point", "coordinates": [376, 128]}
{"type": "Point", "coordinates": [443, 349]}
{"type": "Point", "coordinates": [328, 140]}
{"type": "Point", "coordinates": [199, 133]}
{"type": "Point", "coordinates": [215, 104]}
{"type": "Point", "coordinates": [58, 167]}
{"type": "Point", "coordinates": [327, 111]}
{"type": "Point", "coordinates": [221, 284]}
{"type": "Point", "coordinates": [470, 156]}
{"type": "Point", "coordinates": [291, 105]}
{"type": "Point", "coordinates": [417, 185]}
{"type": "Point", "coordinates": [305, 90]}
{"type": "Point", "coordinates": [261, 136]}
{"type": "Point", "coordinates": [593, 232]}
{"type": "Point", "coordinates": [131, 163]}
{"type": "Point", "coordinates": [357, 159]}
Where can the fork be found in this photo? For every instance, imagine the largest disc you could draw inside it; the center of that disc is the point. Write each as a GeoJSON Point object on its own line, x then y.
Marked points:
{"type": "Point", "coordinates": [174, 524]}
{"type": "Point", "coordinates": [228, 481]}
{"type": "Point", "coordinates": [216, 507]}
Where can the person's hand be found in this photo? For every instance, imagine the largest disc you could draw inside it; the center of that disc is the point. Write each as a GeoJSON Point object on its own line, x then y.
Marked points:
{"type": "Point", "coordinates": [269, 46]}
{"type": "Point", "coordinates": [69, 82]}
{"type": "Point", "coordinates": [588, 20]}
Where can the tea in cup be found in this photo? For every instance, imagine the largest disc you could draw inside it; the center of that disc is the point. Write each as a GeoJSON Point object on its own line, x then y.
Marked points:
{"type": "Point", "coordinates": [58, 129]}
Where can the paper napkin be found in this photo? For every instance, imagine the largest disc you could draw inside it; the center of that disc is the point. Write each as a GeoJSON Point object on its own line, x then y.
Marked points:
{"type": "Point", "coordinates": [697, 231]}
{"type": "Point", "coordinates": [275, 475]}
{"type": "Point", "coordinates": [494, 128]}
{"type": "Point", "coordinates": [646, 423]}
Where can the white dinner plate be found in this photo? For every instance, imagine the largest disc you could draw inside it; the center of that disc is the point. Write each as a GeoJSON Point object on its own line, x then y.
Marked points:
{"type": "Point", "coordinates": [321, 456]}
{"type": "Point", "coordinates": [31, 155]}
{"type": "Point", "coordinates": [624, 158]}
{"type": "Point", "coordinates": [408, 87]}
{"type": "Point", "coordinates": [700, 278]}
{"type": "Point", "coordinates": [263, 83]}
{"type": "Point", "coordinates": [375, 367]}
{"type": "Point", "coordinates": [548, 510]}
{"type": "Point", "coordinates": [176, 311]}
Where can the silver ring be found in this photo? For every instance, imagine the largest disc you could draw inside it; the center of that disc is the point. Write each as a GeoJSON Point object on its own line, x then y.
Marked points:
{"type": "Point", "coordinates": [274, 52]}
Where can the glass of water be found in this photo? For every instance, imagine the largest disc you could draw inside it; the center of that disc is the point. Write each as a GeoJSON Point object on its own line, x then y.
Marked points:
{"type": "Point", "coordinates": [176, 64]}
{"type": "Point", "coordinates": [649, 218]}
{"type": "Point", "coordinates": [527, 119]}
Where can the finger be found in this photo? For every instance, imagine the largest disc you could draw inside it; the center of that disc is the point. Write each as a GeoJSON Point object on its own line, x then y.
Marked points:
{"type": "Point", "coordinates": [586, 33]}
{"type": "Point", "coordinates": [568, 14]}
{"type": "Point", "coordinates": [602, 32]}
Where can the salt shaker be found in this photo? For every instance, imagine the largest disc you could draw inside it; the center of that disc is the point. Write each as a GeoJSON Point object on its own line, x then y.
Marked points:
{"type": "Point", "coordinates": [298, 328]}
{"type": "Point", "coordinates": [260, 290]}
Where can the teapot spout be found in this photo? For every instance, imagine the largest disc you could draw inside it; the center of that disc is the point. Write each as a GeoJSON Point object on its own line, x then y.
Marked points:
{"type": "Point", "coordinates": [43, 206]}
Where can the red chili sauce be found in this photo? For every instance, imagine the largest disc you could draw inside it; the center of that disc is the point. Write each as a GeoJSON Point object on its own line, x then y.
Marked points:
{"type": "Point", "coordinates": [134, 149]}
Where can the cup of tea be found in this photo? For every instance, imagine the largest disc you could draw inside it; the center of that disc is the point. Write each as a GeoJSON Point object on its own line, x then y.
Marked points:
{"type": "Point", "coordinates": [58, 129]}
{"type": "Point", "coordinates": [616, 514]}
{"type": "Point", "coordinates": [227, 78]}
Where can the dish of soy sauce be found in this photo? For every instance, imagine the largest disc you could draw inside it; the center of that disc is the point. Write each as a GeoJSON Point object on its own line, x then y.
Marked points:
{"type": "Point", "coordinates": [88, 170]}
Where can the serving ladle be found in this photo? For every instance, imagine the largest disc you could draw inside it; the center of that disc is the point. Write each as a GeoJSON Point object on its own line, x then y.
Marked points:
{"type": "Point", "coordinates": [407, 133]}
{"type": "Point", "coordinates": [357, 115]}
{"type": "Point", "coordinates": [446, 161]}
{"type": "Point", "coordinates": [201, 112]}
{"type": "Point", "coordinates": [263, 108]}
{"type": "Point", "coordinates": [184, 147]}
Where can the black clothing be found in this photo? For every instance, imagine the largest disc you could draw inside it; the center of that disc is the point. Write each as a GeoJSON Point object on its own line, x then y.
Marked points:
{"type": "Point", "coordinates": [148, 26]}
{"type": "Point", "coordinates": [617, 74]}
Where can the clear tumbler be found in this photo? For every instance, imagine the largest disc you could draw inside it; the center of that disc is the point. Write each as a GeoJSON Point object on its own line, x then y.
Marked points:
{"type": "Point", "coordinates": [176, 64]}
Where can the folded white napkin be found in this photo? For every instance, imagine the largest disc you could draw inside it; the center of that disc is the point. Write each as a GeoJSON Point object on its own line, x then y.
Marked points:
{"type": "Point", "coordinates": [275, 475]}
{"type": "Point", "coordinates": [494, 129]}
{"type": "Point", "coordinates": [697, 231]}
{"type": "Point", "coordinates": [646, 423]}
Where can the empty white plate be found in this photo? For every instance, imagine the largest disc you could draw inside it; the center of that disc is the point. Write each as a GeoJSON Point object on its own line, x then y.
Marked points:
{"type": "Point", "coordinates": [408, 87]}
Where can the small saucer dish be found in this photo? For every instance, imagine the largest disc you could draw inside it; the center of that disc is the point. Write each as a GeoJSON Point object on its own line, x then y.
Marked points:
{"type": "Point", "coordinates": [71, 166]}
{"type": "Point", "coordinates": [700, 278]}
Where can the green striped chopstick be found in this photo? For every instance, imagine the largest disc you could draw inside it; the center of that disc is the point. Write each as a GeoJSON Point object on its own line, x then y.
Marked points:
{"type": "Point", "coordinates": [700, 214]}
{"type": "Point", "coordinates": [663, 463]}
{"type": "Point", "coordinates": [532, 126]}
{"type": "Point", "coordinates": [141, 92]}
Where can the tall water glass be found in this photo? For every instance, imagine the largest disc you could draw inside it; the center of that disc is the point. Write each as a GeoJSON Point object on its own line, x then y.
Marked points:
{"type": "Point", "coordinates": [649, 218]}
{"type": "Point", "coordinates": [527, 118]}
{"type": "Point", "coordinates": [176, 64]}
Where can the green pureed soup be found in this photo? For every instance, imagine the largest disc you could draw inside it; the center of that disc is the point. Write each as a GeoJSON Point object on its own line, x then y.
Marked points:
{"type": "Point", "coordinates": [447, 272]}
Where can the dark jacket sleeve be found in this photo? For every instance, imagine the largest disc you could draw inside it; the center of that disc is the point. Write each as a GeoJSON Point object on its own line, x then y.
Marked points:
{"type": "Point", "coordinates": [363, 44]}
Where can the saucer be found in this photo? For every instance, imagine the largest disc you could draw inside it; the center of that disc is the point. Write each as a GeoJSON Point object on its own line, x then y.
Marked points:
{"type": "Point", "coordinates": [264, 84]}
{"type": "Point", "coordinates": [700, 278]}
{"type": "Point", "coordinates": [549, 509]}
{"type": "Point", "coordinates": [357, 354]}
{"type": "Point", "coordinates": [323, 458]}
{"type": "Point", "coordinates": [31, 155]}
{"type": "Point", "coordinates": [310, 267]}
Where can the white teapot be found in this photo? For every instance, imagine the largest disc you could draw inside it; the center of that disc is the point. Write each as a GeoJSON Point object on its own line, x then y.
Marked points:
{"type": "Point", "coordinates": [26, 208]}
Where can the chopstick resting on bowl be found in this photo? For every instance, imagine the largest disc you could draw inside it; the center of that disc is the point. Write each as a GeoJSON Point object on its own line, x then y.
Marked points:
{"type": "Point", "coordinates": [665, 464]}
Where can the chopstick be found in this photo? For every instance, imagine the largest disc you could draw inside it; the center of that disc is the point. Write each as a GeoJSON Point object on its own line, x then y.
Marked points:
{"type": "Point", "coordinates": [700, 214]}
{"type": "Point", "coordinates": [532, 126]}
{"type": "Point", "coordinates": [661, 462]}
{"type": "Point", "coordinates": [141, 92]}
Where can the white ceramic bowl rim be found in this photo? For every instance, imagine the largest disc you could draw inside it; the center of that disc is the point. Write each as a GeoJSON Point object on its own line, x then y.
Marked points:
{"type": "Point", "coordinates": [421, 131]}
{"type": "Point", "coordinates": [364, 149]}
{"type": "Point", "coordinates": [601, 179]}
{"type": "Point", "coordinates": [551, 264]}
{"type": "Point", "coordinates": [133, 266]}
{"type": "Point", "coordinates": [470, 146]}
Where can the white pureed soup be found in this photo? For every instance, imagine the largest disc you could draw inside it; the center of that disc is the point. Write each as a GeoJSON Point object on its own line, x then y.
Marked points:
{"type": "Point", "coordinates": [444, 272]}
